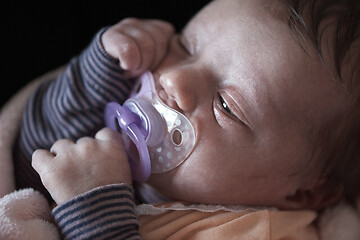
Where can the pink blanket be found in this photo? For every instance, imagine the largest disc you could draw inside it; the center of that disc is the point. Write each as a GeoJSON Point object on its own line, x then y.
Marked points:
{"type": "Point", "coordinates": [25, 214]}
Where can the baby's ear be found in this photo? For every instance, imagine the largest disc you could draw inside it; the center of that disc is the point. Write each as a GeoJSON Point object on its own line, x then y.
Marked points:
{"type": "Point", "coordinates": [315, 195]}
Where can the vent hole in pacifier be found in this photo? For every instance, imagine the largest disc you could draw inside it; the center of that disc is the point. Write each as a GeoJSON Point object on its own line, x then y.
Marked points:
{"type": "Point", "coordinates": [138, 88]}
{"type": "Point", "coordinates": [133, 152]}
{"type": "Point", "coordinates": [118, 128]}
{"type": "Point", "coordinates": [176, 137]}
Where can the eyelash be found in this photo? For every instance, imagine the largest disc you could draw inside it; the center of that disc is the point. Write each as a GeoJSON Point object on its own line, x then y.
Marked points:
{"type": "Point", "coordinates": [224, 104]}
{"type": "Point", "coordinates": [227, 110]}
{"type": "Point", "coordinates": [181, 44]}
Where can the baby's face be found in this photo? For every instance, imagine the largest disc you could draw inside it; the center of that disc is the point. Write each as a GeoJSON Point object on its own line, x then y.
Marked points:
{"type": "Point", "coordinates": [251, 92]}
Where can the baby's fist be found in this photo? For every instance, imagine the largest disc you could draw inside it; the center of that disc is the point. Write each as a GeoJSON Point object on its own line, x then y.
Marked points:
{"type": "Point", "coordinates": [139, 45]}
{"type": "Point", "coordinates": [70, 169]}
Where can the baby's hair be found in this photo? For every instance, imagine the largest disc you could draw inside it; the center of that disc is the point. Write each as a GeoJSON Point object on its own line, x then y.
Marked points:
{"type": "Point", "coordinates": [345, 16]}
{"type": "Point", "coordinates": [337, 143]}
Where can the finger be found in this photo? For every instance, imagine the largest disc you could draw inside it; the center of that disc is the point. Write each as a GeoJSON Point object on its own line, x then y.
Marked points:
{"type": "Point", "coordinates": [61, 145]}
{"type": "Point", "coordinates": [145, 43]}
{"type": "Point", "coordinates": [84, 140]}
{"type": "Point", "coordinates": [122, 47]}
{"type": "Point", "coordinates": [161, 32]}
{"type": "Point", "coordinates": [166, 28]}
{"type": "Point", "coordinates": [41, 158]}
{"type": "Point", "coordinates": [129, 54]}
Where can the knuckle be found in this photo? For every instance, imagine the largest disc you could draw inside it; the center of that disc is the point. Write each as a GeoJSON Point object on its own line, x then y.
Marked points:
{"type": "Point", "coordinates": [163, 42]}
{"type": "Point", "coordinates": [148, 47]}
{"type": "Point", "coordinates": [125, 23]}
{"type": "Point", "coordinates": [86, 144]}
{"type": "Point", "coordinates": [105, 132]}
{"type": "Point", "coordinates": [130, 21]}
{"type": "Point", "coordinates": [35, 158]}
{"type": "Point", "coordinates": [61, 142]}
{"type": "Point", "coordinates": [36, 153]}
{"type": "Point", "coordinates": [84, 140]}
{"type": "Point", "coordinates": [168, 27]}
{"type": "Point", "coordinates": [87, 148]}
{"type": "Point", "coordinates": [165, 26]}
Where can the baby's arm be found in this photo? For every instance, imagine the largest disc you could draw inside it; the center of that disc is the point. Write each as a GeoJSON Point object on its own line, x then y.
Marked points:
{"type": "Point", "coordinates": [71, 168]}
{"type": "Point", "coordinates": [90, 180]}
{"type": "Point", "coordinates": [72, 104]}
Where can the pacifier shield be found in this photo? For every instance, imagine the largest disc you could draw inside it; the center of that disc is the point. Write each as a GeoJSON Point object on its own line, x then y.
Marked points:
{"type": "Point", "coordinates": [177, 135]}
{"type": "Point", "coordinates": [164, 137]}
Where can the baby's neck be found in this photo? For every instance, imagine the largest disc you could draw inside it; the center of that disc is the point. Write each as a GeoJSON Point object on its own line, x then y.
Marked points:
{"type": "Point", "coordinates": [147, 194]}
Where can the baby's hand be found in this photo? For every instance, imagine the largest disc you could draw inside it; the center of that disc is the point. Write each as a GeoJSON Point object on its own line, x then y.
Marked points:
{"type": "Point", "coordinates": [139, 45]}
{"type": "Point", "coordinates": [69, 168]}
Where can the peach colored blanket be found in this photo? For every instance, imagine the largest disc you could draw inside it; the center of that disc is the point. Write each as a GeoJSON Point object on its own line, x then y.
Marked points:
{"type": "Point", "coordinates": [218, 222]}
{"type": "Point", "coordinates": [24, 214]}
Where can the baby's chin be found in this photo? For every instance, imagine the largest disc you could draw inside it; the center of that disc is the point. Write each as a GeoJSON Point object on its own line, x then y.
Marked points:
{"type": "Point", "coordinates": [169, 184]}
{"type": "Point", "coordinates": [169, 189]}
{"type": "Point", "coordinates": [161, 180]}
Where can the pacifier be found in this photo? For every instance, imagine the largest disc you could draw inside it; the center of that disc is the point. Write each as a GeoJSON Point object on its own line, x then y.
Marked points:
{"type": "Point", "coordinates": [157, 138]}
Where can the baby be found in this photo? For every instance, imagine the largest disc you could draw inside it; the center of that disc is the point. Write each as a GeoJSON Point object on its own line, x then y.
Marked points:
{"type": "Point", "coordinates": [271, 87]}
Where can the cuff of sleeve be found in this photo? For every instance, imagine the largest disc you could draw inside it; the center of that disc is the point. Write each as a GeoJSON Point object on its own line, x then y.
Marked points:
{"type": "Point", "coordinates": [100, 50]}
{"type": "Point", "coordinates": [103, 211]}
{"type": "Point", "coordinates": [104, 78]}
{"type": "Point", "coordinates": [96, 60]}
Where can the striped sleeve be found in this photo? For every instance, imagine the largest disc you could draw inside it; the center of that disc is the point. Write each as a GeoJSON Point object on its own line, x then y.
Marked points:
{"type": "Point", "coordinates": [103, 213]}
{"type": "Point", "coordinates": [69, 106]}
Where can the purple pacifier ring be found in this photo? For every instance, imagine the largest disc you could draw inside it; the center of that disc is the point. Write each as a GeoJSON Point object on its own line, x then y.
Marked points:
{"type": "Point", "coordinates": [128, 123]}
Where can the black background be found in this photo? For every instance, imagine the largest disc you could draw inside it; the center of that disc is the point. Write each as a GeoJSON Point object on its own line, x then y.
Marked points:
{"type": "Point", "coordinates": [36, 38]}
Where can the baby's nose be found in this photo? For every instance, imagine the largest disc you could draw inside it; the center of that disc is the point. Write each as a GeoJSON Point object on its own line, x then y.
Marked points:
{"type": "Point", "coordinates": [181, 89]}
